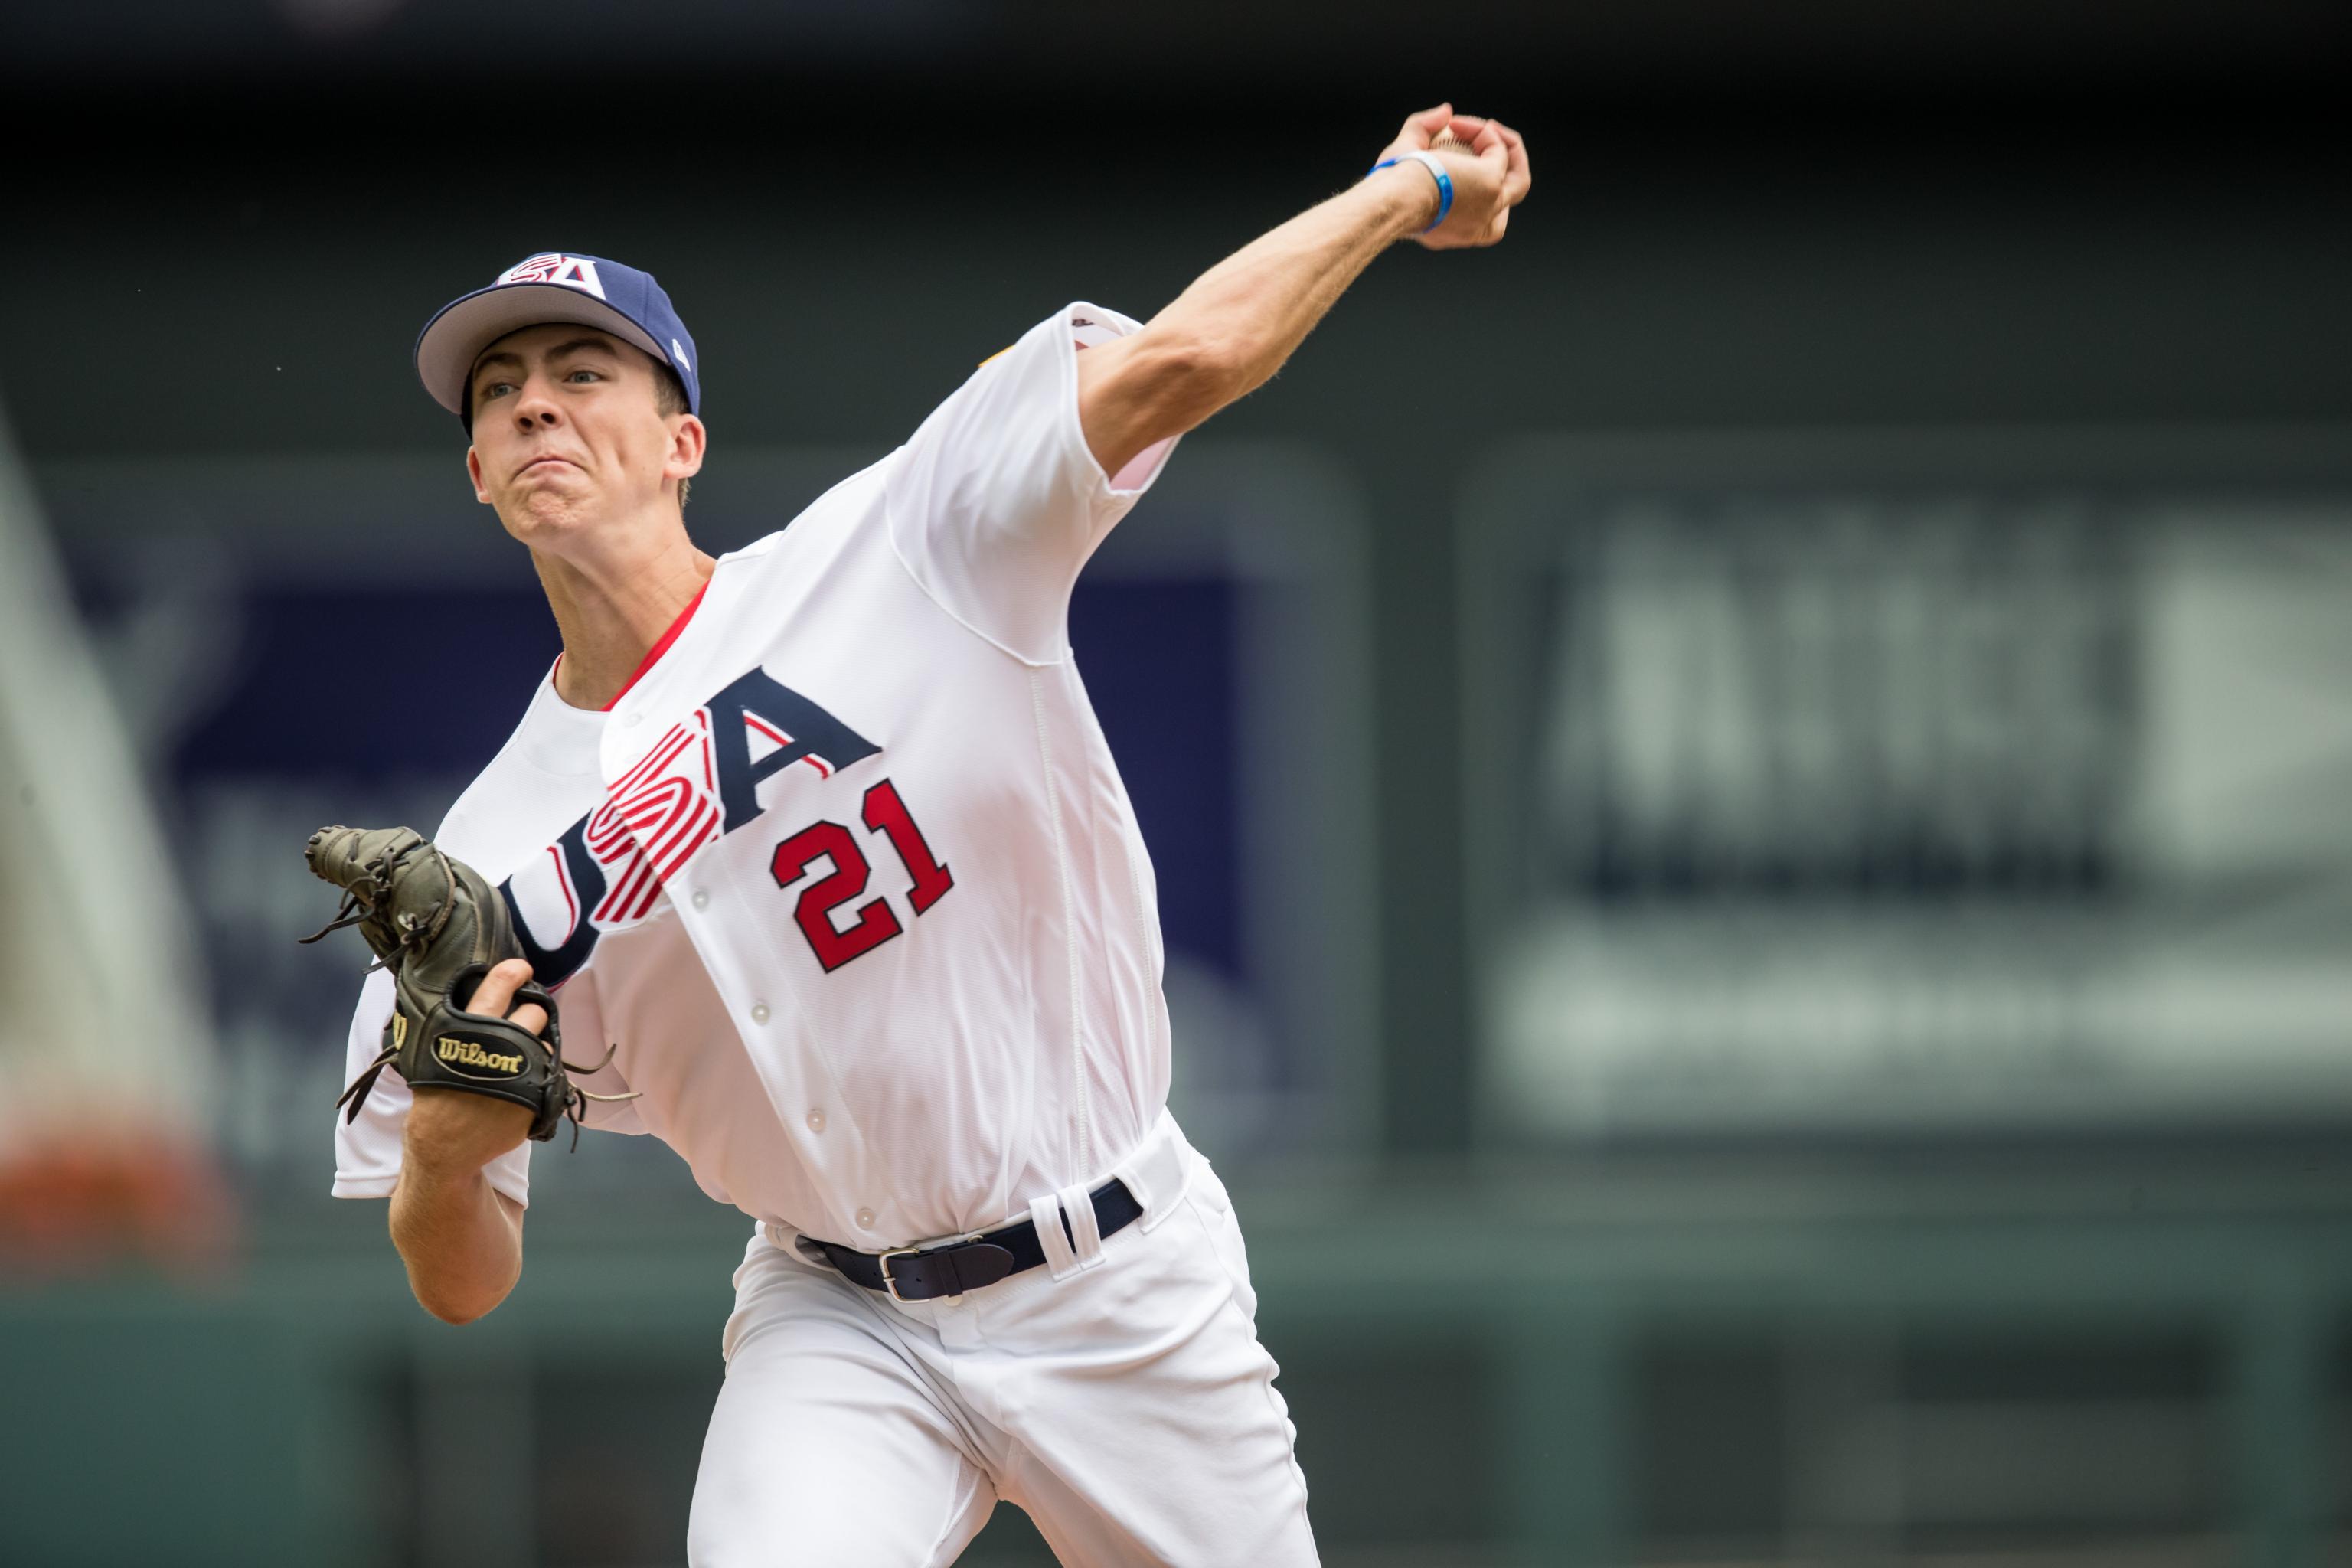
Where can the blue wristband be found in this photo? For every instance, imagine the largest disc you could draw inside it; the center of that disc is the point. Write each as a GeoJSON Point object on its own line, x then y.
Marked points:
{"type": "Point", "coordinates": [1436, 166]}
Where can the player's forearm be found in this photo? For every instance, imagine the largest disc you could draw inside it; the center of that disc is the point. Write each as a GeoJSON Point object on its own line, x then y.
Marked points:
{"type": "Point", "coordinates": [1245, 316]}
{"type": "Point", "coordinates": [460, 1237]}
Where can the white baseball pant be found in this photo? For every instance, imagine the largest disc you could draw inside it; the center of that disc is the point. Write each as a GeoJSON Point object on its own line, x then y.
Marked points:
{"type": "Point", "coordinates": [1118, 1393]}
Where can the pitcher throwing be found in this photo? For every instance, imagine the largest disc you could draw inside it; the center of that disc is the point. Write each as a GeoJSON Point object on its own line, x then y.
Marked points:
{"type": "Point", "coordinates": [821, 840]}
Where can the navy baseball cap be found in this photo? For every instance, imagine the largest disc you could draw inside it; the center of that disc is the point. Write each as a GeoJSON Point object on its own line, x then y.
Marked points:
{"type": "Point", "coordinates": [553, 287]}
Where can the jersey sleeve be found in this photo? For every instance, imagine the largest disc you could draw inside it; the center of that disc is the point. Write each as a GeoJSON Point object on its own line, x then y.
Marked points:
{"type": "Point", "coordinates": [995, 501]}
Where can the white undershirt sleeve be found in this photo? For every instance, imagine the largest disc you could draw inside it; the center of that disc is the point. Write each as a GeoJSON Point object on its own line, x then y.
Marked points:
{"type": "Point", "coordinates": [995, 501]}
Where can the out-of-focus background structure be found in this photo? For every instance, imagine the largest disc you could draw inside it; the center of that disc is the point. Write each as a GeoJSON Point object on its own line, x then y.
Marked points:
{"type": "Point", "coordinates": [1753, 790]}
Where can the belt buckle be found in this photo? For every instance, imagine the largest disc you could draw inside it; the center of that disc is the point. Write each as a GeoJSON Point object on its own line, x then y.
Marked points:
{"type": "Point", "coordinates": [882, 1260]}
{"type": "Point", "coordinates": [889, 1282]}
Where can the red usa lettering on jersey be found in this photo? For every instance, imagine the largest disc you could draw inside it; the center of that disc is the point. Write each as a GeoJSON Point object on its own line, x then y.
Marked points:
{"type": "Point", "coordinates": [654, 820]}
{"type": "Point", "coordinates": [572, 271]}
{"type": "Point", "coordinates": [698, 783]}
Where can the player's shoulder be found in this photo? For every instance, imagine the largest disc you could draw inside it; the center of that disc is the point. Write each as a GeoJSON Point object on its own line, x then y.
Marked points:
{"type": "Point", "coordinates": [1039, 353]}
{"type": "Point", "coordinates": [537, 784]}
{"type": "Point", "coordinates": [824, 524]}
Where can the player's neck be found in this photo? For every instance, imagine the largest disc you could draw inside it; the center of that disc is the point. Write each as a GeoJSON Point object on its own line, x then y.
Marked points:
{"type": "Point", "coordinates": [613, 606]}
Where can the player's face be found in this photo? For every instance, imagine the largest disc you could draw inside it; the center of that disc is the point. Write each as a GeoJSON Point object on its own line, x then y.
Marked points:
{"type": "Point", "coordinates": [569, 434]}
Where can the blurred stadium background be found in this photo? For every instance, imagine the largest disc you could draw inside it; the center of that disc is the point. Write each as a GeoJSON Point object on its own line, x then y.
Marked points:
{"type": "Point", "coordinates": [1753, 790]}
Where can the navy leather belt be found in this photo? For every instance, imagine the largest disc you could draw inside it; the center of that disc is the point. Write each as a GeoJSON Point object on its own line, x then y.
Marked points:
{"type": "Point", "coordinates": [952, 1267]}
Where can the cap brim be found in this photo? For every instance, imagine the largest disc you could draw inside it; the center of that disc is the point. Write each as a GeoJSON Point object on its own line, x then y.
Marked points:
{"type": "Point", "coordinates": [453, 340]}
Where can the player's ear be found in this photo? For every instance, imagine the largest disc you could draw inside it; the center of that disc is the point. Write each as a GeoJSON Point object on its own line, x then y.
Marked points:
{"type": "Point", "coordinates": [687, 440]}
{"type": "Point", "coordinates": [473, 472]}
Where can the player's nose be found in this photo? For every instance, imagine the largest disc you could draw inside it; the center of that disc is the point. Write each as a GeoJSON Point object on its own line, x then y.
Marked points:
{"type": "Point", "coordinates": [535, 407]}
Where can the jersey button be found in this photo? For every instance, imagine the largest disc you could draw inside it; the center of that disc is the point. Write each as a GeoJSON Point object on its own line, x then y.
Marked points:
{"type": "Point", "coordinates": [866, 1219]}
{"type": "Point", "coordinates": [701, 898]}
{"type": "Point", "coordinates": [817, 1121]}
{"type": "Point", "coordinates": [759, 1012]}
{"type": "Point", "coordinates": [633, 720]}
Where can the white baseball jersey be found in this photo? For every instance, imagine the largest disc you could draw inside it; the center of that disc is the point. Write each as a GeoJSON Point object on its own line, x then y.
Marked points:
{"type": "Point", "coordinates": [846, 873]}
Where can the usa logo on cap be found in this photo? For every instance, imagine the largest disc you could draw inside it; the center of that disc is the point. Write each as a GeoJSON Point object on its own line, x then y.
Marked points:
{"type": "Point", "coordinates": [554, 286]}
{"type": "Point", "coordinates": [572, 271]}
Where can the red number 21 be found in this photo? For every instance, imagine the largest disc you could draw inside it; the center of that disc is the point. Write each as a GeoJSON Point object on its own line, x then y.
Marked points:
{"type": "Point", "coordinates": [886, 813]}
{"type": "Point", "coordinates": [876, 923]}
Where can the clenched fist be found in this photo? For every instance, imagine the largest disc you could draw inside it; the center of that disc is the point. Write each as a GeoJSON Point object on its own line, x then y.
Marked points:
{"type": "Point", "coordinates": [1489, 180]}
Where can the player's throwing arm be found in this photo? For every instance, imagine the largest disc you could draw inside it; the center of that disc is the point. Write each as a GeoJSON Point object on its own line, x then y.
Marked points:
{"type": "Point", "coordinates": [1224, 337]}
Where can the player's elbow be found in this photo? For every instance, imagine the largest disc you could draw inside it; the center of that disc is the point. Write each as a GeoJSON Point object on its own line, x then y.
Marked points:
{"type": "Point", "coordinates": [455, 1316]}
{"type": "Point", "coordinates": [464, 1255]}
{"type": "Point", "coordinates": [457, 1305]}
{"type": "Point", "coordinates": [459, 1287]}
{"type": "Point", "coordinates": [1148, 387]}
{"type": "Point", "coordinates": [1177, 377]}
{"type": "Point", "coordinates": [1195, 376]}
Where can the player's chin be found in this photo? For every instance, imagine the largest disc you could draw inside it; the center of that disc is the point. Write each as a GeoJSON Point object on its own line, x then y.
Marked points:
{"type": "Point", "coordinates": [544, 511]}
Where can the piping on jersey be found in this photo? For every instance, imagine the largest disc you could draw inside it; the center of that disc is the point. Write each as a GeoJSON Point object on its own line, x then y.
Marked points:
{"type": "Point", "coordinates": [1069, 931]}
{"type": "Point", "coordinates": [1146, 928]}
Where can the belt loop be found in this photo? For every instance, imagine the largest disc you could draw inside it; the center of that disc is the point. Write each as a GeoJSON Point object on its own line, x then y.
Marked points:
{"type": "Point", "coordinates": [1045, 1214]}
{"type": "Point", "coordinates": [1158, 1172]}
{"type": "Point", "coordinates": [1086, 1230]}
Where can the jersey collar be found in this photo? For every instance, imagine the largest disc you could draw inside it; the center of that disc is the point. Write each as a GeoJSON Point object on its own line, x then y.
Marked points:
{"type": "Point", "coordinates": [653, 654]}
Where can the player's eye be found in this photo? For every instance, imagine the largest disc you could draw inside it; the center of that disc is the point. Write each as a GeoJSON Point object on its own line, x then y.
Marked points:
{"type": "Point", "coordinates": [575, 375]}
{"type": "Point", "coordinates": [492, 388]}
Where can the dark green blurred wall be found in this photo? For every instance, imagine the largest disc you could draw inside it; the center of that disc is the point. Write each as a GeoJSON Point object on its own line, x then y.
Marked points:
{"type": "Point", "coordinates": [251, 282]}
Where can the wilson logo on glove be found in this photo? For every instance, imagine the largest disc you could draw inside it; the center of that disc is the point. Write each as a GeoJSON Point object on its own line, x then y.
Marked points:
{"type": "Point", "coordinates": [459, 1055]}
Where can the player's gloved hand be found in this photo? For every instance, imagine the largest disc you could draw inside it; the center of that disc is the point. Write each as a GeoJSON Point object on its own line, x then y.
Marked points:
{"type": "Point", "coordinates": [1489, 180]}
{"type": "Point", "coordinates": [443, 932]}
{"type": "Point", "coordinates": [457, 1134]}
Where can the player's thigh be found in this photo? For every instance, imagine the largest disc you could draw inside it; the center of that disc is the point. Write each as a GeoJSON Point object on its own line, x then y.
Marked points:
{"type": "Point", "coordinates": [827, 1445]}
{"type": "Point", "coordinates": [1169, 1442]}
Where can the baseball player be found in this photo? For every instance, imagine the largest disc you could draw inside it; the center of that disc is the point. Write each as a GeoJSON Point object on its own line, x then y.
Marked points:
{"type": "Point", "coordinates": [821, 842]}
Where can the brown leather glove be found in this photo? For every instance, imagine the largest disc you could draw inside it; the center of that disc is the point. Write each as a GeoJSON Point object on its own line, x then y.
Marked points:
{"type": "Point", "coordinates": [438, 927]}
